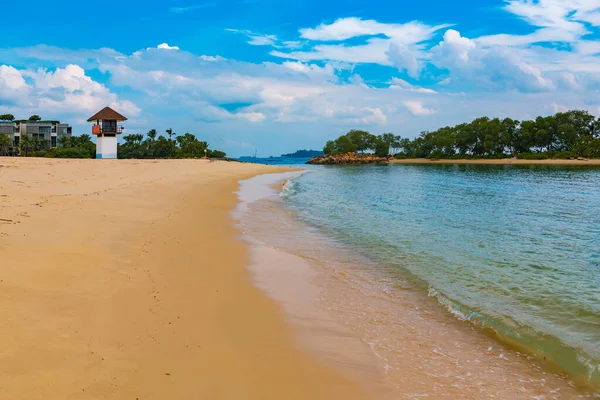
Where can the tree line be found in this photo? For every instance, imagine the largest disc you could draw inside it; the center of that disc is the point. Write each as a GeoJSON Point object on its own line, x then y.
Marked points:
{"type": "Point", "coordinates": [32, 146]}
{"type": "Point", "coordinates": [134, 146]}
{"type": "Point", "coordinates": [159, 146]}
{"type": "Point", "coordinates": [568, 134]}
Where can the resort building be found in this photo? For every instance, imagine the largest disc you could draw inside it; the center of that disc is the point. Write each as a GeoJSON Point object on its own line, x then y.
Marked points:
{"type": "Point", "coordinates": [44, 130]}
{"type": "Point", "coordinates": [106, 129]}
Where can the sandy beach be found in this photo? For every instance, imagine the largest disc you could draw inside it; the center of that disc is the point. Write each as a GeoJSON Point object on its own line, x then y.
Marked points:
{"type": "Point", "coordinates": [127, 280]}
{"type": "Point", "coordinates": [503, 161]}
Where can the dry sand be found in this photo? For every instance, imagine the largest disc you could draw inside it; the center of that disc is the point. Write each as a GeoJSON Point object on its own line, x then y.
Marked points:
{"type": "Point", "coordinates": [126, 280]}
{"type": "Point", "coordinates": [504, 161]}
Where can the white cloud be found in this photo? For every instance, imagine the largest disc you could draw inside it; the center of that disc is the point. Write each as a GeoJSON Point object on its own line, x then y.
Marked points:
{"type": "Point", "coordinates": [417, 108]}
{"type": "Point", "coordinates": [588, 47]}
{"type": "Point", "coordinates": [212, 58]}
{"type": "Point", "coordinates": [260, 39]}
{"type": "Point", "coordinates": [557, 20]}
{"type": "Point", "coordinates": [405, 57]}
{"type": "Point", "coordinates": [66, 91]}
{"type": "Point", "coordinates": [165, 46]}
{"type": "Point", "coordinates": [252, 116]}
{"type": "Point", "coordinates": [373, 52]}
{"type": "Point", "coordinates": [401, 84]}
{"type": "Point", "coordinates": [402, 45]}
{"type": "Point", "coordinates": [454, 48]}
{"type": "Point", "coordinates": [377, 116]}
{"type": "Point", "coordinates": [491, 68]}
{"type": "Point", "coordinates": [346, 28]}
{"type": "Point", "coordinates": [11, 78]}
{"type": "Point", "coordinates": [311, 70]}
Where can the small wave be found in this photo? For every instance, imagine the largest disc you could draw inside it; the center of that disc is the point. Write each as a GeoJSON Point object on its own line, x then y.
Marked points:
{"type": "Point", "coordinates": [543, 346]}
{"type": "Point", "coordinates": [290, 186]}
{"type": "Point", "coordinates": [460, 311]}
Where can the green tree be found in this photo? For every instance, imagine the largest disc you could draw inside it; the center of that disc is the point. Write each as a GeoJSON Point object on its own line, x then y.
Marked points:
{"type": "Point", "coordinates": [4, 143]}
{"type": "Point", "coordinates": [164, 148]}
{"type": "Point", "coordinates": [382, 148]}
{"type": "Point", "coordinates": [25, 144]}
{"type": "Point", "coordinates": [151, 141]}
{"type": "Point", "coordinates": [65, 141]}
{"type": "Point", "coordinates": [170, 133]}
{"type": "Point", "coordinates": [341, 145]}
{"type": "Point", "coordinates": [391, 140]}
{"type": "Point", "coordinates": [363, 140]}
{"type": "Point", "coordinates": [35, 118]}
{"type": "Point", "coordinates": [216, 154]}
{"type": "Point", "coordinates": [7, 117]}
{"type": "Point", "coordinates": [152, 134]}
{"type": "Point", "coordinates": [190, 146]}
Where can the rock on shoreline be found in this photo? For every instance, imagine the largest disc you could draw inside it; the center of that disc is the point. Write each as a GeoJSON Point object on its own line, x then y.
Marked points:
{"type": "Point", "coordinates": [349, 159]}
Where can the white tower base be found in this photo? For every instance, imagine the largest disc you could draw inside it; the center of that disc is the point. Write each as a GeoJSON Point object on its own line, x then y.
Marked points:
{"type": "Point", "coordinates": [106, 146]}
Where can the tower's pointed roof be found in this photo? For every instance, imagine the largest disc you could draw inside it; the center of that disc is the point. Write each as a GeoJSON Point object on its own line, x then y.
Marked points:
{"type": "Point", "coordinates": [107, 113]}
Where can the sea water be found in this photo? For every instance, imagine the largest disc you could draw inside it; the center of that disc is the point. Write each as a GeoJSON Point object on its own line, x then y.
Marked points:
{"type": "Point", "coordinates": [511, 249]}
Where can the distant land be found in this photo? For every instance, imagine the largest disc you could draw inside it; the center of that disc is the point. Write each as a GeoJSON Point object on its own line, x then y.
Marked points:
{"type": "Point", "coordinates": [304, 154]}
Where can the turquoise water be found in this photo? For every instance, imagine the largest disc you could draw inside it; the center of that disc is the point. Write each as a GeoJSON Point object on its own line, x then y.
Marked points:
{"type": "Point", "coordinates": [513, 249]}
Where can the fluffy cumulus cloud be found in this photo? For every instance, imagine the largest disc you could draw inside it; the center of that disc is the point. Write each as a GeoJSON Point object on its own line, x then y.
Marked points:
{"type": "Point", "coordinates": [417, 108]}
{"type": "Point", "coordinates": [66, 91]}
{"type": "Point", "coordinates": [165, 46]}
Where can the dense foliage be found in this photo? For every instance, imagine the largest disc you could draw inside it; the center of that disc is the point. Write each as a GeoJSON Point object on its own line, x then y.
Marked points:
{"type": "Point", "coordinates": [135, 146]}
{"type": "Point", "coordinates": [158, 146]}
{"type": "Point", "coordinates": [70, 147]}
{"type": "Point", "coordinates": [568, 134]}
{"type": "Point", "coordinates": [362, 141]}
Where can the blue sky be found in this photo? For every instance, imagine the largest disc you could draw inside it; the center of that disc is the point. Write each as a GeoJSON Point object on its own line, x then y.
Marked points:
{"type": "Point", "coordinates": [280, 76]}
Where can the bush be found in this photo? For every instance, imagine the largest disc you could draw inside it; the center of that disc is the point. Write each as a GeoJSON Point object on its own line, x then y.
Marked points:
{"type": "Point", "coordinates": [565, 155]}
{"type": "Point", "coordinates": [216, 154]}
{"type": "Point", "coordinates": [533, 156]}
{"type": "Point", "coordinates": [71, 152]}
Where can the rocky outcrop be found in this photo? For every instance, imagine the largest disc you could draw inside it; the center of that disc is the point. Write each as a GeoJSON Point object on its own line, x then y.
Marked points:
{"type": "Point", "coordinates": [349, 159]}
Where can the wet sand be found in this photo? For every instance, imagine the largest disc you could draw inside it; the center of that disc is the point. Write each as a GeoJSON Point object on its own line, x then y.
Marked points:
{"type": "Point", "coordinates": [503, 161]}
{"type": "Point", "coordinates": [366, 321]}
{"type": "Point", "coordinates": [126, 280]}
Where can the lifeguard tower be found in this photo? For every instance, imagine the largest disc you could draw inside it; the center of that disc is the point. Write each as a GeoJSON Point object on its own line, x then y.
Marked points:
{"type": "Point", "coordinates": [106, 130]}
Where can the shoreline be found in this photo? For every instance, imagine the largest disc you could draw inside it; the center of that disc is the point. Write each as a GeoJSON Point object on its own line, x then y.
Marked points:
{"type": "Point", "coordinates": [432, 336]}
{"type": "Point", "coordinates": [125, 279]}
{"type": "Point", "coordinates": [502, 161]}
{"type": "Point", "coordinates": [293, 282]}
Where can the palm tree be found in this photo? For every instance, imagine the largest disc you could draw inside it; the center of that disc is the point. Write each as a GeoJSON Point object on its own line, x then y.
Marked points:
{"type": "Point", "coordinates": [84, 139]}
{"type": "Point", "coordinates": [25, 144]}
{"type": "Point", "coordinates": [4, 143]}
{"type": "Point", "coordinates": [152, 134]}
{"type": "Point", "coordinates": [35, 143]}
{"type": "Point", "coordinates": [65, 141]}
{"type": "Point", "coordinates": [170, 133]}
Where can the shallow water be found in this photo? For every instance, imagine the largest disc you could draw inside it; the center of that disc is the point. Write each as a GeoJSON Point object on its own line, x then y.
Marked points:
{"type": "Point", "coordinates": [513, 249]}
{"type": "Point", "coordinates": [360, 276]}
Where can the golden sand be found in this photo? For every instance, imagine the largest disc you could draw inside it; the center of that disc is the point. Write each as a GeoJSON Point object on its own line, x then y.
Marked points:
{"type": "Point", "coordinates": [126, 280]}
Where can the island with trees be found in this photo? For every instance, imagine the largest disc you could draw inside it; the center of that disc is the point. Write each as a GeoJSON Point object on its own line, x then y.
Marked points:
{"type": "Point", "coordinates": [304, 154]}
{"type": "Point", "coordinates": [566, 135]}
